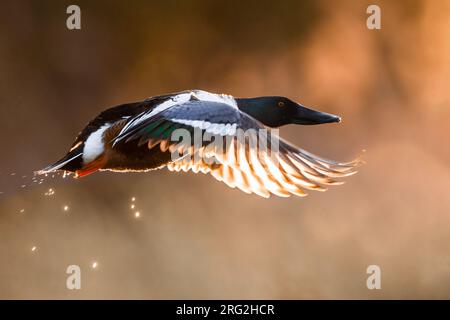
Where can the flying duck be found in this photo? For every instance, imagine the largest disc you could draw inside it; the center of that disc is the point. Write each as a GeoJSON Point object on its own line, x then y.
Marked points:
{"type": "Point", "coordinates": [139, 136]}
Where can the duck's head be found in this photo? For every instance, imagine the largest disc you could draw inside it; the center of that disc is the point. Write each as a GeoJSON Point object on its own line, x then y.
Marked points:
{"type": "Point", "coordinates": [276, 111]}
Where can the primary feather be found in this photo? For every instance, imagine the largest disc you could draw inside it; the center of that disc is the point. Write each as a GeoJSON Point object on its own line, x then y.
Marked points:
{"type": "Point", "coordinates": [242, 164]}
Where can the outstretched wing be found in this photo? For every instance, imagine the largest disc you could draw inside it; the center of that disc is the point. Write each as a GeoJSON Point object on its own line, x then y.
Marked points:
{"type": "Point", "coordinates": [234, 148]}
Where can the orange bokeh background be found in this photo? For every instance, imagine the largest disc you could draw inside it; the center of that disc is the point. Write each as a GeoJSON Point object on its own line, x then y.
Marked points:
{"type": "Point", "coordinates": [196, 238]}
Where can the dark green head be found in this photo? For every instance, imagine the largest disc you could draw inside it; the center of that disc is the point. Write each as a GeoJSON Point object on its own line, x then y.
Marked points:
{"type": "Point", "coordinates": [277, 111]}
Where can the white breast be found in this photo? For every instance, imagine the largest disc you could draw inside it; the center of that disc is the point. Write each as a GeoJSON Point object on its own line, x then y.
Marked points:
{"type": "Point", "coordinates": [94, 145]}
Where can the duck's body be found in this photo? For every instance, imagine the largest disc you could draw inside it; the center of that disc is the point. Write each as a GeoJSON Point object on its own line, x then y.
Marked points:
{"type": "Point", "coordinates": [139, 137]}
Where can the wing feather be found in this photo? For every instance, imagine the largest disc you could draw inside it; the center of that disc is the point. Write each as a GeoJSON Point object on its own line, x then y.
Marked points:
{"type": "Point", "coordinates": [253, 164]}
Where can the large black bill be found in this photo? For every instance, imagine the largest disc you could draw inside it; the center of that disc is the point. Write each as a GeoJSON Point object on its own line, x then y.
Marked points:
{"type": "Point", "coordinates": [307, 116]}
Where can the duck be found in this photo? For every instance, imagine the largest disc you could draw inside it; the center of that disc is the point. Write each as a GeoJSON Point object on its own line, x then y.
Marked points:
{"type": "Point", "coordinates": [145, 135]}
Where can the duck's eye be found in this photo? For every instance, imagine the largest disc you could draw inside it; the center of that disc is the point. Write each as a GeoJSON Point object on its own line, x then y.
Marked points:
{"type": "Point", "coordinates": [280, 103]}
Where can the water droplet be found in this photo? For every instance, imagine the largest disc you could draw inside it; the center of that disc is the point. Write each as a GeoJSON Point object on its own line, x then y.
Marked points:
{"type": "Point", "coordinates": [50, 192]}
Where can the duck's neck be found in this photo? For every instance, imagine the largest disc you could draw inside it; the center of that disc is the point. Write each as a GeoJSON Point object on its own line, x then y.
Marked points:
{"type": "Point", "coordinates": [259, 109]}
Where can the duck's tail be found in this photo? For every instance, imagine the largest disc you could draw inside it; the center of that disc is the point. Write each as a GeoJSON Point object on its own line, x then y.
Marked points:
{"type": "Point", "coordinates": [70, 162]}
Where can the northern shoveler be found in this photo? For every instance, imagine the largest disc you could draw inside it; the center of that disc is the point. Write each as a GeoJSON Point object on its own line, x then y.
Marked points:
{"type": "Point", "coordinates": [139, 137]}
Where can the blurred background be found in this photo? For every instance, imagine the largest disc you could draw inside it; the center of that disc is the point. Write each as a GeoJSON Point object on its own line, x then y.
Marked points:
{"type": "Point", "coordinates": [195, 237]}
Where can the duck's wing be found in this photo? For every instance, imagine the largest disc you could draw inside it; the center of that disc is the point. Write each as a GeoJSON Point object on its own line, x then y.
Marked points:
{"type": "Point", "coordinates": [166, 103]}
{"type": "Point", "coordinates": [238, 150]}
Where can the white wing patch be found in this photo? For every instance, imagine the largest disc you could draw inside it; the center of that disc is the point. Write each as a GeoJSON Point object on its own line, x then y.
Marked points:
{"type": "Point", "coordinates": [214, 128]}
{"type": "Point", "coordinates": [214, 97]}
{"type": "Point", "coordinates": [94, 145]}
{"type": "Point", "coordinates": [180, 98]}
{"type": "Point", "coordinates": [175, 100]}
